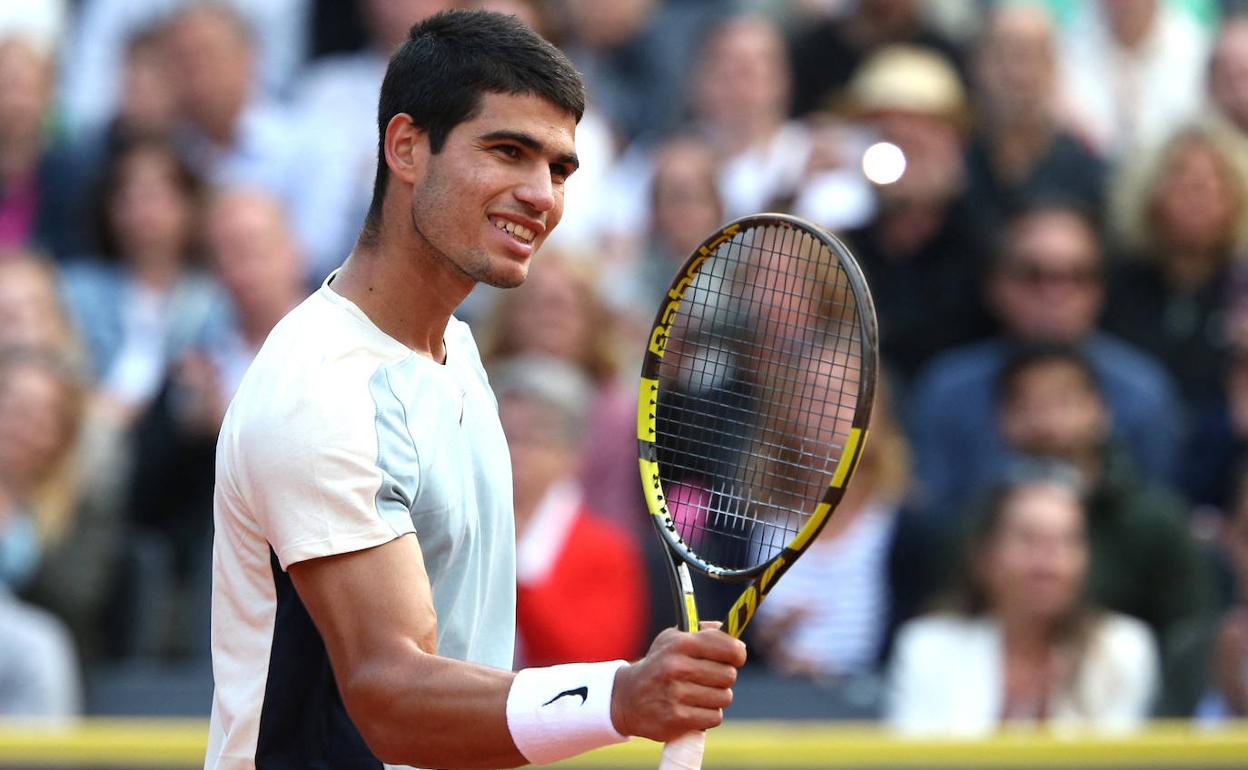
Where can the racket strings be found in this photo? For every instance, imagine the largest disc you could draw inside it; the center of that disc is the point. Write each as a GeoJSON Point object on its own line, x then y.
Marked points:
{"type": "Point", "coordinates": [758, 388]}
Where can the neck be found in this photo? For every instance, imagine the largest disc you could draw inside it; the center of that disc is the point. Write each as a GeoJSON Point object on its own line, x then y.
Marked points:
{"type": "Point", "coordinates": [738, 136]}
{"type": "Point", "coordinates": [18, 157]}
{"type": "Point", "coordinates": [1018, 145]}
{"type": "Point", "coordinates": [1091, 464]}
{"type": "Point", "coordinates": [1188, 269]}
{"type": "Point", "coordinates": [1024, 637]}
{"type": "Point", "coordinates": [404, 287]}
{"type": "Point", "coordinates": [220, 125]}
{"type": "Point", "coordinates": [158, 271]}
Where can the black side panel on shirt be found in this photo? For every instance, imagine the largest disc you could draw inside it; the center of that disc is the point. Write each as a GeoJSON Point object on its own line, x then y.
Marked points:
{"type": "Point", "coordinates": [303, 724]}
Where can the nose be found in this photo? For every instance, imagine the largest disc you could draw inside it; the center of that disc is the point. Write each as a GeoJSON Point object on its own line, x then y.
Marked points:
{"type": "Point", "coordinates": [537, 191]}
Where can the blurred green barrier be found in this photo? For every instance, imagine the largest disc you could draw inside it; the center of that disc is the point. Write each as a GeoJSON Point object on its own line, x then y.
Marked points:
{"type": "Point", "coordinates": [740, 745]}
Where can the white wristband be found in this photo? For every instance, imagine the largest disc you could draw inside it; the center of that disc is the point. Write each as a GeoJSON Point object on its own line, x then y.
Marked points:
{"type": "Point", "coordinates": [558, 712]}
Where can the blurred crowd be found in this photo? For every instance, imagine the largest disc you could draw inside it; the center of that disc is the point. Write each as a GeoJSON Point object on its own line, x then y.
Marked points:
{"type": "Point", "coordinates": [1050, 521]}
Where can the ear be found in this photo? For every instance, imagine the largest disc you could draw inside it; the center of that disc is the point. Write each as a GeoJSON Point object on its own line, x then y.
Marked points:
{"type": "Point", "coordinates": [407, 149]}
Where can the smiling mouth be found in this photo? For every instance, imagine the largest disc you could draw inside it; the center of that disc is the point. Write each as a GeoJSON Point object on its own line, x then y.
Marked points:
{"type": "Point", "coordinates": [519, 232]}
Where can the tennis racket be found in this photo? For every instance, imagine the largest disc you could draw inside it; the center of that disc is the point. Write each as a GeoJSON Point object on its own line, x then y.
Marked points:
{"type": "Point", "coordinates": [755, 395]}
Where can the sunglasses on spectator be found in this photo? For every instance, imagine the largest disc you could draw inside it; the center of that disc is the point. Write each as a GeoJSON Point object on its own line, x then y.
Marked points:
{"type": "Point", "coordinates": [1040, 275]}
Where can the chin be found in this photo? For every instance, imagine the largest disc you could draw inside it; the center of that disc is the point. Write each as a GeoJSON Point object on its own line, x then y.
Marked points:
{"type": "Point", "coordinates": [508, 277]}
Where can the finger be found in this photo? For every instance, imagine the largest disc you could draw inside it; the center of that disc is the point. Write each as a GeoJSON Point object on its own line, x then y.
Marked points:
{"type": "Point", "coordinates": [715, 645]}
{"type": "Point", "coordinates": [695, 718]}
{"type": "Point", "coordinates": [708, 673]}
{"type": "Point", "coordinates": [710, 625]}
{"type": "Point", "coordinates": [703, 697]}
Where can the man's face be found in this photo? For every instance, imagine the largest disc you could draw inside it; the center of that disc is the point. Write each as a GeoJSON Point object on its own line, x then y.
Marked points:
{"type": "Point", "coordinates": [1048, 287]}
{"type": "Point", "coordinates": [743, 74]}
{"type": "Point", "coordinates": [1054, 412]}
{"type": "Point", "coordinates": [253, 251]}
{"type": "Point", "coordinates": [489, 199]}
{"type": "Point", "coordinates": [212, 62]}
{"type": "Point", "coordinates": [1015, 66]}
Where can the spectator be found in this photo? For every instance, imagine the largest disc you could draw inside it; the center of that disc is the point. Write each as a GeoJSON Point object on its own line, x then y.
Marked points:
{"type": "Point", "coordinates": [805, 629]}
{"type": "Point", "coordinates": [143, 301]}
{"type": "Point", "coordinates": [40, 413]}
{"type": "Point", "coordinates": [93, 54]}
{"type": "Point", "coordinates": [829, 48]}
{"type": "Point", "coordinates": [922, 254]}
{"type": "Point", "coordinates": [1022, 644]}
{"type": "Point", "coordinates": [32, 189]}
{"type": "Point", "coordinates": [1228, 84]}
{"type": "Point", "coordinates": [574, 603]}
{"type": "Point", "coordinates": [231, 134]}
{"type": "Point", "coordinates": [31, 315]}
{"type": "Point", "coordinates": [84, 499]}
{"type": "Point", "coordinates": [834, 191]}
{"type": "Point", "coordinates": [1182, 226]}
{"type": "Point", "coordinates": [1131, 70]}
{"type": "Point", "coordinates": [740, 104]}
{"type": "Point", "coordinates": [634, 55]}
{"type": "Point", "coordinates": [37, 663]}
{"type": "Point", "coordinates": [685, 208]}
{"type": "Point", "coordinates": [1045, 286]}
{"type": "Point", "coordinates": [146, 107]}
{"type": "Point", "coordinates": [1144, 562]}
{"type": "Point", "coordinates": [1020, 152]}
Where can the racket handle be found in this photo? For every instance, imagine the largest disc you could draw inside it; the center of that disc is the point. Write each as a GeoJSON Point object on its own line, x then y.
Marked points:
{"type": "Point", "coordinates": [684, 753]}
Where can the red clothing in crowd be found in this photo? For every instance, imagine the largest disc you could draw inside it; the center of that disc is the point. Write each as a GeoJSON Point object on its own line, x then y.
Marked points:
{"type": "Point", "coordinates": [582, 599]}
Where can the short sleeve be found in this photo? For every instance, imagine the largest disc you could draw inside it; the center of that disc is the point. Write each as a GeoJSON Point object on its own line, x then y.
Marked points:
{"type": "Point", "coordinates": [332, 471]}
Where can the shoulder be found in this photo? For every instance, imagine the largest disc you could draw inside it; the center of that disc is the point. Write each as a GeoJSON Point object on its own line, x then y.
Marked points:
{"type": "Point", "coordinates": [312, 378]}
{"type": "Point", "coordinates": [953, 371]}
{"type": "Point", "coordinates": [1124, 638]}
{"type": "Point", "coordinates": [1128, 367]}
{"type": "Point", "coordinates": [86, 274]}
{"type": "Point", "coordinates": [941, 634]}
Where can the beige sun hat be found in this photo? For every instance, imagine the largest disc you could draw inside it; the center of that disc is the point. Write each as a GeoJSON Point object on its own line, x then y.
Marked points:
{"type": "Point", "coordinates": [905, 78]}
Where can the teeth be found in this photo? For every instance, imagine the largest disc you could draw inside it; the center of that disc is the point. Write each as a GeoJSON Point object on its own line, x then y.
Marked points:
{"type": "Point", "coordinates": [520, 232]}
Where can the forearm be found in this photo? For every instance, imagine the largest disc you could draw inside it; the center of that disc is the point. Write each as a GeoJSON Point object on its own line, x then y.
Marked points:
{"type": "Point", "coordinates": [428, 711]}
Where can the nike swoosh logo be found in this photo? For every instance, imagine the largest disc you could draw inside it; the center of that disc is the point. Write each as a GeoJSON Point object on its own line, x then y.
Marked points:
{"type": "Point", "coordinates": [581, 691]}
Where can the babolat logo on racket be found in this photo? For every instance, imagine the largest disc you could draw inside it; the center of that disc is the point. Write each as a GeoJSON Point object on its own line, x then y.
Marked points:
{"type": "Point", "coordinates": [658, 337]}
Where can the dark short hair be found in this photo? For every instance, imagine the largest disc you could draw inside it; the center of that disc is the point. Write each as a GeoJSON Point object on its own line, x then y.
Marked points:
{"type": "Point", "coordinates": [1033, 355]}
{"type": "Point", "coordinates": [105, 239]}
{"type": "Point", "coordinates": [1041, 205]}
{"type": "Point", "coordinates": [439, 74]}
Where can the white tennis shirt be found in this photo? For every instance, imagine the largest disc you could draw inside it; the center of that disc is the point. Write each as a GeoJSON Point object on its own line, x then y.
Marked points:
{"type": "Point", "coordinates": [341, 438]}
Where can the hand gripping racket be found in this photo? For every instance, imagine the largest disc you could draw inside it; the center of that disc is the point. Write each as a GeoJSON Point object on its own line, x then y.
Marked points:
{"type": "Point", "coordinates": [756, 391]}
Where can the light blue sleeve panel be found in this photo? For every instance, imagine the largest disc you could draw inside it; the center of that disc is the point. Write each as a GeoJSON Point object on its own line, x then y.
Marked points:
{"type": "Point", "coordinates": [397, 456]}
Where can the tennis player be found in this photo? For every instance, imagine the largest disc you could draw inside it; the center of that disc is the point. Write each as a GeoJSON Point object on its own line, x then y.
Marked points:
{"type": "Point", "coordinates": [363, 607]}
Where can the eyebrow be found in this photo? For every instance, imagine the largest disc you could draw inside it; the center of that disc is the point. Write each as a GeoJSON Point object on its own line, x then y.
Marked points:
{"type": "Point", "coordinates": [519, 137]}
